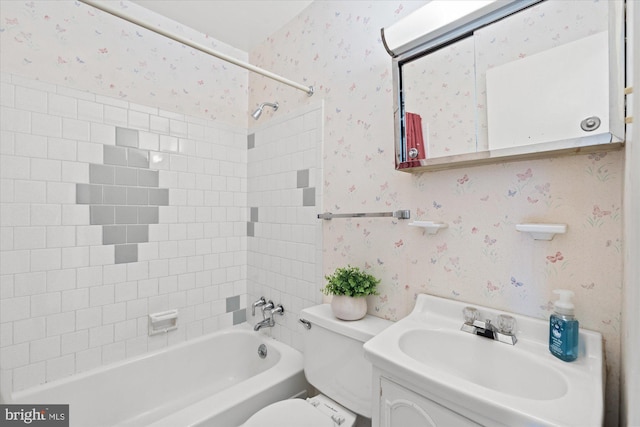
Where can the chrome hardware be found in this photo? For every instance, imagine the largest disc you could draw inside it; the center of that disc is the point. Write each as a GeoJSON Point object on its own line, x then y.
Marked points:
{"type": "Point", "coordinates": [258, 303]}
{"type": "Point", "coordinates": [269, 322]}
{"type": "Point", "coordinates": [503, 332]}
{"type": "Point", "coordinates": [278, 310]}
{"type": "Point", "coordinates": [590, 124]}
{"type": "Point", "coordinates": [305, 323]}
{"type": "Point", "coordinates": [262, 351]}
{"type": "Point", "coordinates": [264, 323]}
{"type": "Point", "coordinates": [268, 306]}
{"type": "Point", "coordinates": [401, 214]}
{"type": "Point", "coordinates": [413, 153]}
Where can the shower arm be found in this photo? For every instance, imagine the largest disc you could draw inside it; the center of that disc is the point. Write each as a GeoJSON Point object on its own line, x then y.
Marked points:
{"type": "Point", "coordinates": [115, 12]}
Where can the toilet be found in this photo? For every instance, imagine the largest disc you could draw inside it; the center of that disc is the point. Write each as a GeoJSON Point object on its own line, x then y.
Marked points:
{"type": "Point", "coordinates": [334, 364]}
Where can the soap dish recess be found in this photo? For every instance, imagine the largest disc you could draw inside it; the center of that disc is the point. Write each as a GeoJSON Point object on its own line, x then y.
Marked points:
{"type": "Point", "coordinates": [542, 231]}
{"type": "Point", "coordinates": [432, 227]}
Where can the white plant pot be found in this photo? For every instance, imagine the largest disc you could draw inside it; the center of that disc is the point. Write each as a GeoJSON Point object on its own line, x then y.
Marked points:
{"type": "Point", "coordinates": [349, 308]}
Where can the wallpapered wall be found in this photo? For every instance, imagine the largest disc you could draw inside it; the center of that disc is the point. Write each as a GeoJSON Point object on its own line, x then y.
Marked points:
{"type": "Point", "coordinates": [480, 258]}
{"type": "Point", "coordinates": [70, 43]}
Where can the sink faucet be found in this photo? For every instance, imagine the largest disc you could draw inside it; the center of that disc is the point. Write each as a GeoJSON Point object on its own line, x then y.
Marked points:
{"type": "Point", "coordinates": [503, 332]}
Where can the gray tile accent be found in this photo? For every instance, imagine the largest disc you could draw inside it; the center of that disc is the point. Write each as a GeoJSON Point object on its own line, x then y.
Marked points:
{"type": "Point", "coordinates": [251, 229]}
{"type": "Point", "coordinates": [113, 155]}
{"type": "Point", "coordinates": [88, 194]}
{"type": "Point", "coordinates": [302, 180]}
{"type": "Point", "coordinates": [148, 178]}
{"type": "Point", "coordinates": [114, 234]}
{"type": "Point", "coordinates": [137, 233]}
{"type": "Point", "coordinates": [159, 197]}
{"type": "Point", "coordinates": [251, 141]}
{"type": "Point", "coordinates": [115, 195]}
{"type": "Point", "coordinates": [126, 215]}
{"type": "Point", "coordinates": [148, 215]}
{"type": "Point", "coordinates": [126, 137]}
{"type": "Point", "coordinates": [100, 174]}
{"type": "Point", "coordinates": [83, 194]}
{"type": "Point", "coordinates": [254, 214]}
{"type": "Point", "coordinates": [239, 316]}
{"type": "Point", "coordinates": [309, 196]}
{"type": "Point", "coordinates": [119, 194]}
{"type": "Point", "coordinates": [101, 215]}
{"type": "Point", "coordinates": [126, 253]}
{"type": "Point", "coordinates": [138, 158]}
{"type": "Point", "coordinates": [126, 176]}
{"type": "Point", "coordinates": [233, 303]}
{"type": "Point", "coordinates": [137, 196]}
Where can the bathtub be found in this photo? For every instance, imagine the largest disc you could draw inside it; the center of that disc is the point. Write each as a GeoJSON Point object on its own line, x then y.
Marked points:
{"type": "Point", "coordinates": [217, 380]}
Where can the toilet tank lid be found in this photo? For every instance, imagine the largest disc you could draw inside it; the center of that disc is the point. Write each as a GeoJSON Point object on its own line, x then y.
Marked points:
{"type": "Point", "coordinates": [361, 330]}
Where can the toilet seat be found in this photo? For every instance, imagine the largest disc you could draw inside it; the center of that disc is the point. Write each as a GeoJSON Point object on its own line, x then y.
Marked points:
{"type": "Point", "coordinates": [297, 412]}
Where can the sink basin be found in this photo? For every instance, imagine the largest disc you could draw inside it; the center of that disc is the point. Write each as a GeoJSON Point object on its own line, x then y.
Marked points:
{"type": "Point", "coordinates": [487, 381]}
{"type": "Point", "coordinates": [484, 362]}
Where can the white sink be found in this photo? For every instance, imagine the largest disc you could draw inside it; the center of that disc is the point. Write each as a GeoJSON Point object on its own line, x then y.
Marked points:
{"type": "Point", "coordinates": [488, 381]}
{"type": "Point", "coordinates": [500, 370]}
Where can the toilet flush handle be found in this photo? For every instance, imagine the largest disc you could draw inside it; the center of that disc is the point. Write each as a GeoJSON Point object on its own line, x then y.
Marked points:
{"type": "Point", "coordinates": [305, 323]}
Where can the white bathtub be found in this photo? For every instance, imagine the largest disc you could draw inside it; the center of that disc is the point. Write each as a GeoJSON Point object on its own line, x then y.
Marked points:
{"type": "Point", "coordinates": [217, 380]}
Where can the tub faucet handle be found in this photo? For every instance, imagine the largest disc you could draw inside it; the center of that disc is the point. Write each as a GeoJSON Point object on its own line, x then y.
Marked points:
{"type": "Point", "coordinates": [279, 310]}
{"type": "Point", "coordinates": [268, 306]}
{"type": "Point", "coordinates": [258, 303]}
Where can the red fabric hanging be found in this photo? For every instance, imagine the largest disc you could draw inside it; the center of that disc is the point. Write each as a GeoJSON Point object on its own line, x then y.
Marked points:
{"type": "Point", "coordinates": [414, 138]}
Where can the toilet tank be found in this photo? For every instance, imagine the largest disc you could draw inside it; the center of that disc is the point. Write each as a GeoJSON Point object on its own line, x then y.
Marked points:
{"type": "Point", "coordinates": [334, 360]}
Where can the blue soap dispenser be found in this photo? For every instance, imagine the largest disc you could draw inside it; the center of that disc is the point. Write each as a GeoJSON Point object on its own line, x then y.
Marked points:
{"type": "Point", "coordinates": [563, 328]}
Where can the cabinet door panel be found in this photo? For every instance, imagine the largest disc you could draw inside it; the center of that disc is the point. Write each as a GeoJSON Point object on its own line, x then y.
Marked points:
{"type": "Point", "coordinates": [401, 407]}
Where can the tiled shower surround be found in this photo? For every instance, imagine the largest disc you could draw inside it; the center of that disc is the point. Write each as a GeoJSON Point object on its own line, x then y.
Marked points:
{"type": "Point", "coordinates": [112, 210]}
{"type": "Point", "coordinates": [284, 247]}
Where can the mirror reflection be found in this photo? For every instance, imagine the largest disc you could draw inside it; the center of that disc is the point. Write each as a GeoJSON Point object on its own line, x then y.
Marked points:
{"type": "Point", "coordinates": [536, 77]}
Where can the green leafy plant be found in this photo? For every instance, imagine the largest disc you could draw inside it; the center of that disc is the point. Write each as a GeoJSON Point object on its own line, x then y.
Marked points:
{"type": "Point", "coordinates": [350, 281]}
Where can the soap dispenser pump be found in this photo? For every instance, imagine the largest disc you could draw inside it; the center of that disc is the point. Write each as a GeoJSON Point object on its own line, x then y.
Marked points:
{"type": "Point", "coordinates": [563, 328]}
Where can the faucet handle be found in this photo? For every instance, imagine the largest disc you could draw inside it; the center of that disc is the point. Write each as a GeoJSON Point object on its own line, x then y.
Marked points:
{"type": "Point", "coordinates": [258, 303]}
{"type": "Point", "coordinates": [470, 315]}
{"type": "Point", "coordinates": [279, 309]}
{"type": "Point", "coordinates": [506, 324]}
{"type": "Point", "coordinates": [268, 306]}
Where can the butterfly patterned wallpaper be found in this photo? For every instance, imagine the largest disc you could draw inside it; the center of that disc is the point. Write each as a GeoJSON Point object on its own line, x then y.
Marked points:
{"type": "Point", "coordinates": [72, 44]}
{"type": "Point", "coordinates": [480, 258]}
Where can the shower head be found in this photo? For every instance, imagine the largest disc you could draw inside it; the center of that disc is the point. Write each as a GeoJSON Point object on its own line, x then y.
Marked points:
{"type": "Point", "coordinates": [256, 114]}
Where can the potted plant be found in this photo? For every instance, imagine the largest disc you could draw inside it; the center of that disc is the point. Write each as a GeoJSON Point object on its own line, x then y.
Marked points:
{"type": "Point", "coordinates": [350, 287]}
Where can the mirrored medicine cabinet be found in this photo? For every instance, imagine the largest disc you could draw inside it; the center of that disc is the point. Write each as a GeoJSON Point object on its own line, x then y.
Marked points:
{"type": "Point", "coordinates": [510, 80]}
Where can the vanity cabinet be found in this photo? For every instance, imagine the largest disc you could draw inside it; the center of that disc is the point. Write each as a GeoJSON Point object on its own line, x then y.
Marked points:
{"type": "Point", "coordinates": [402, 407]}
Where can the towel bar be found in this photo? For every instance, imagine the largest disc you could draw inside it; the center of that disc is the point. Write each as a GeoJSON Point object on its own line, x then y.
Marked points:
{"type": "Point", "coordinates": [401, 214]}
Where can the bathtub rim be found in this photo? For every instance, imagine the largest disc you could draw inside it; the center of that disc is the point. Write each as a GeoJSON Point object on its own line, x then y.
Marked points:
{"type": "Point", "coordinates": [285, 352]}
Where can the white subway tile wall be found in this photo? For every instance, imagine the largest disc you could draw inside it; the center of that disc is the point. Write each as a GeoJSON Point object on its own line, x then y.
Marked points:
{"type": "Point", "coordinates": [285, 235]}
{"type": "Point", "coordinates": [83, 174]}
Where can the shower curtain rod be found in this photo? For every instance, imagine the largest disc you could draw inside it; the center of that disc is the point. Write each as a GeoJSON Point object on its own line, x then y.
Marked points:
{"type": "Point", "coordinates": [113, 11]}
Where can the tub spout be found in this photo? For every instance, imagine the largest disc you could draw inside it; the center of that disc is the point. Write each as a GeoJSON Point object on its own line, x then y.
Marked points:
{"type": "Point", "coordinates": [265, 323]}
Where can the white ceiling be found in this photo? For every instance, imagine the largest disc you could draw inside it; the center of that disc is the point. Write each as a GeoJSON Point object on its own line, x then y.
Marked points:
{"type": "Point", "coordinates": [242, 24]}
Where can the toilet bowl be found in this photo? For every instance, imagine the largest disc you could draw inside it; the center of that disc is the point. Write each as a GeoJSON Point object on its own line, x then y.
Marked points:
{"type": "Point", "coordinates": [317, 411]}
{"type": "Point", "coordinates": [334, 364]}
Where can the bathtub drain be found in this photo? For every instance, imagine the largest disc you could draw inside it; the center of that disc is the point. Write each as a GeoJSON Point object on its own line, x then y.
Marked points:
{"type": "Point", "coordinates": [262, 351]}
